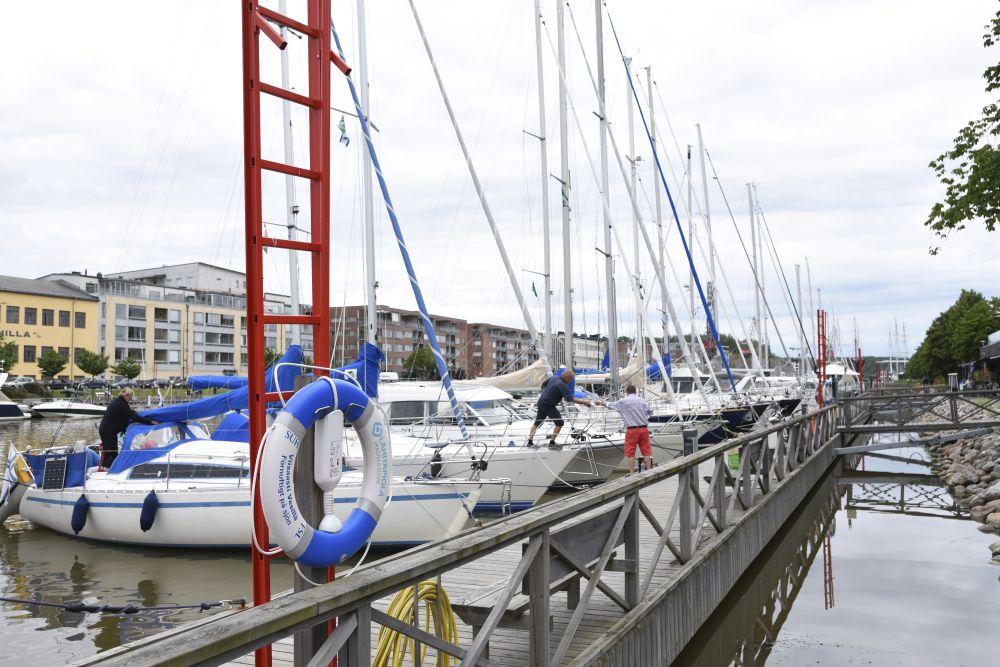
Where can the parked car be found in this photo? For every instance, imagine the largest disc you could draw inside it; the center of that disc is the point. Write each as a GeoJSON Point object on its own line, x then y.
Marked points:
{"type": "Point", "coordinates": [122, 383]}
{"type": "Point", "coordinates": [93, 383]}
{"type": "Point", "coordinates": [18, 382]}
{"type": "Point", "coordinates": [58, 384]}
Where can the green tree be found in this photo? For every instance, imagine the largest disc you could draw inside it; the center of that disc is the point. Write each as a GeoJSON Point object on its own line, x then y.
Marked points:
{"type": "Point", "coordinates": [420, 365]}
{"type": "Point", "coordinates": [128, 368]}
{"type": "Point", "coordinates": [970, 171]}
{"type": "Point", "coordinates": [271, 355]}
{"type": "Point", "coordinates": [91, 363]}
{"type": "Point", "coordinates": [8, 355]}
{"type": "Point", "coordinates": [954, 337]}
{"type": "Point", "coordinates": [51, 364]}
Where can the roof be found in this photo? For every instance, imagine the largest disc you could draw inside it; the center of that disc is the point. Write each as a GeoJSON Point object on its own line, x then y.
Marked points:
{"type": "Point", "coordinates": [56, 288]}
{"type": "Point", "coordinates": [172, 266]}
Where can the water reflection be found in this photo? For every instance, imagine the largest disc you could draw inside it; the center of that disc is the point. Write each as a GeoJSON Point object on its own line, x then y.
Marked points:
{"type": "Point", "coordinates": [895, 585]}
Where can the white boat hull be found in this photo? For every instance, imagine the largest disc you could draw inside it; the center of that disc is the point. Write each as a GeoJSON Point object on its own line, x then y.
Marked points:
{"type": "Point", "coordinates": [68, 410]}
{"type": "Point", "coordinates": [221, 517]}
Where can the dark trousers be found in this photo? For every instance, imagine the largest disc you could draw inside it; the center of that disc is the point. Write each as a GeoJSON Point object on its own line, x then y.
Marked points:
{"type": "Point", "coordinates": [109, 447]}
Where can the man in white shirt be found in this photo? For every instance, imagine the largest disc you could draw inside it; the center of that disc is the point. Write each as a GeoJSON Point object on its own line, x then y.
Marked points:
{"type": "Point", "coordinates": [635, 412]}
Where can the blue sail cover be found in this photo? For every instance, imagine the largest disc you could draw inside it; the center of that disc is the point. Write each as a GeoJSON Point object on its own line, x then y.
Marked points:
{"type": "Point", "coordinates": [234, 427]}
{"type": "Point", "coordinates": [606, 361]}
{"type": "Point", "coordinates": [653, 370]}
{"type": "Point", "coordinates": [198, 382]}
{"type": "Point", "coordinates": [365, 369]}
{"type": "Point", "coordinates": [238, 399]}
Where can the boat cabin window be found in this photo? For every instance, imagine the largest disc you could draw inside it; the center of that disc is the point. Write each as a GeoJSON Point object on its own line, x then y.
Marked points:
{"type": "Point", "coordinates": [158, 437]}
{"type": "Point", "coordinates": [684, 386]}
{"type": "Point", "coordinates": [406, 412]}
{"type": "Point", "coordinates": [160, 470]}
{"type": "Point", "coordinates": [493, 412]}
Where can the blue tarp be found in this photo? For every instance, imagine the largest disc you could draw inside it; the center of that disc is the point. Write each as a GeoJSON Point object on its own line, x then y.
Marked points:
{"type": "Point", "coordinates": [238, 399]}
{"type": "Point", "coordinates": [198, 382]}
{"type": "Point", "coordinates": [653, 370]}
{"type": "Point", "coordinates": [606, 361]}
{"type": "Point", "coordinates": [234, 427]}
{"type": "Point", "coordinates": [76, 466]}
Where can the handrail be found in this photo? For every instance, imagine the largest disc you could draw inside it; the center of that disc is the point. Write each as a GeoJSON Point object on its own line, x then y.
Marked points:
{"type": "Point", "coordinates": [236, 635]}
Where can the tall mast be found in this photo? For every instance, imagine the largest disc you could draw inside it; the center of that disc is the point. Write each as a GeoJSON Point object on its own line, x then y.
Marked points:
{"type": "Point", "coordinates": [712, 293]}
{"type": "Point", "coordinates": [756, 276]}
{"type": "Point", "coordinates": [801, 330]}
{"type": "Point", "coordinates": [633, 163]}
{"type": "Point", "coordinates": [608, 249]}
{"type": "Point", "coordinates": [371, 316]}
{"type": "Point", "coordinates": [291, 209]}
{"type": "Point", "coordinates": [564, 177]}
{"type": "Point", "coordinates": [690, 212]}
{"type": "Point", "coordinates": [543, 149]}
{"type": "Point", "coordinates": [812, 310]}
{"type": "Point", "coordinates": [659, 216]}
{"type": "Point", "coordinates": [765, 336]}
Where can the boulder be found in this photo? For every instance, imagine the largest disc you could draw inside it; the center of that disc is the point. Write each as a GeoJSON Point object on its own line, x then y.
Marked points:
{"type": "Point", "coordinates": [959, 492]}
{"type": "Point", "coordinates": [993, 520]}
{"type": "Point", "coordinates": [995, 548]}
{"type": "Point", "coordinates": [979, 513]}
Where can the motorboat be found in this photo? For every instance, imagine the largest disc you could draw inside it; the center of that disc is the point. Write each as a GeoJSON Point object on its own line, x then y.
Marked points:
{"type": "Point", "coordinates": [9, 410]}
{"type": "Point", "coordinates": [68, 409]}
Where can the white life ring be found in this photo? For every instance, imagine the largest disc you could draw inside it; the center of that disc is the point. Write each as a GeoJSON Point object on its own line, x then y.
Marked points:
{"type": "Point", "coordinates": [299, 540]}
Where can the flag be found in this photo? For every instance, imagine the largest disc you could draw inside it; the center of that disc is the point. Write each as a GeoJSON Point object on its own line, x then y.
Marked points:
{"type": "Point", "coordinates": [342, 126]}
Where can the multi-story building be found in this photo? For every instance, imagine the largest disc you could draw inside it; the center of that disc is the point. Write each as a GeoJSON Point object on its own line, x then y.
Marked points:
{"type": "Point", "coordinates": [494, 349]}
{"type": "Point", "coordinates": [400, 332]}
{"type": "Point", "coordinates": [588, 350]}
{"type": "Point", "coordinates": [42, 316]}
{"type": "Point", "coordinates": [175, 330]}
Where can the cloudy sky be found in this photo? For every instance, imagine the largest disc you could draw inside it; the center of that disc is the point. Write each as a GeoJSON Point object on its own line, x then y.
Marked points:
{"type": "Point", "coordinates": [121, 148]}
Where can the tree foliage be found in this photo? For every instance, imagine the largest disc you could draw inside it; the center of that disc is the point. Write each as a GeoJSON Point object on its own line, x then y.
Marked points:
{"type": "Point", "coordinates": [954, 337]}
{"type": "Point", "coordinates": [420, 365]}
{"type": "Point", "coordinates": [970, 171]}
{"type": "Point", "coordinates": [128, 368]}
{"type": "Point", "coordinates": [91, 363]}
{"type": "Point", "coordinates": [271, 355]}
{"type": "Point", "coordinates": [51, 364]}
{"type": "Point", "coordinates": [8, 355]}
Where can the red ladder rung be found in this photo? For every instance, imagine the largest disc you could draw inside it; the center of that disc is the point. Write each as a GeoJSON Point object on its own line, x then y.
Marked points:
{"type": "Point", "coordinates": [278, 91]}
{"type": "Point", "coordinates": [280, 318]}
{"type": "Point", "coordinates": [289, 244]}
{"type": "Point", "coordinates": [291, 170]}
{"type": "Point", "coordinates": [281, 19]}
{"type": "Point", "coordinates": [274, 397]}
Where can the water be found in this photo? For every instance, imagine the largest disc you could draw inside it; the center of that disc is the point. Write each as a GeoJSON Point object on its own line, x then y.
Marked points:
{"type": "Point", "coordinates": [898, 585]}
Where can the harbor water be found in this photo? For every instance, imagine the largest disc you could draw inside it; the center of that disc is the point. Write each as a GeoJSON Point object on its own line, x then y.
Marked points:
{"type": "Point", "coordinates": [875, 572]}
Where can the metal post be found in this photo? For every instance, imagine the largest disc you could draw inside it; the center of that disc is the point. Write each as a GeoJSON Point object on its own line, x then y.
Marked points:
{"type": "Point", "coordinates": [543, 149]}
{"type": "Point", "coordinates": [659, 219]}
{"type": "Point", "coordinates": [756, 276]}
{"type": "Point", "coordinates": [708, 227]}
{"type": "Point", "coordinates": [564, 177]}
{"type": "Point", "coordinates": [310, 500]}
{"type": "Point", "coordinates": [291, 208]}
{"type": "Point", "coordinates": [633, 163]}
{"type": "Point", "coordinates": [690, 212]}
{"type": "Point", "coordinates": [371, 312]}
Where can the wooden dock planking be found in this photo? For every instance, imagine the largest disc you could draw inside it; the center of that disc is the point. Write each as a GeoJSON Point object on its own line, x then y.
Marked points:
{"type": "Point", "coordinates": [508, 646]}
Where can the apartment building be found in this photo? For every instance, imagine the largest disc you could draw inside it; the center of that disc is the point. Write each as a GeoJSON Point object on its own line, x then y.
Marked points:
{"type": "Point", "coordinates": [41, 316]}
{"type": "Point", "coordinates": [175, 330]}
{"type": "Point", "coordinates": [494, 349]}
{"type": "Point", "coordinates": [400, 333]}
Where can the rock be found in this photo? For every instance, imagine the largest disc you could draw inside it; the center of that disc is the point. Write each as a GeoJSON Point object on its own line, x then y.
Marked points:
{"type": "Point", "coordinates": [979, 513]}
{"type": "Point", "coordinates": [993, 520]}
{"type": "Point", "coordinates": [959, 492]}
{"type": "Point", "coordinates": [985, 528]}
{"type": "Point", "coordinates": [995, 548]}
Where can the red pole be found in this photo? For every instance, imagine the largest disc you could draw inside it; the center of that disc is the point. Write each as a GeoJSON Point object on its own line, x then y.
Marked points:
{"type": "Point", "coordinates": [821, 357]}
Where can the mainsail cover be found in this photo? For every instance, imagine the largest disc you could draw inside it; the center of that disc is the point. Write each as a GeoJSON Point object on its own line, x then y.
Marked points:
{"type": "Point", "coordinates": [526, 379]}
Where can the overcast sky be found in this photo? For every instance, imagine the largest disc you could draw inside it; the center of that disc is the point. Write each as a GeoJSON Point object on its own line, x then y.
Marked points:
{"type": "Point", "coordinates": [121, 145]}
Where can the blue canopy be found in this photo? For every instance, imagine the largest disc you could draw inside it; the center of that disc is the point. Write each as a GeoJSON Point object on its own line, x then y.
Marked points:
{"type": "Point", "coordinates": [365, 369]}
{"type": "Point", "coordinates": [234, 427]}
{"type": "Point", "coordinates": [653, 370]}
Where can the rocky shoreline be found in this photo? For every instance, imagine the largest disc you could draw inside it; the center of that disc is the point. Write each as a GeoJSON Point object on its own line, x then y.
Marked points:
{"type": "Point", "coordinates": [970, 469]}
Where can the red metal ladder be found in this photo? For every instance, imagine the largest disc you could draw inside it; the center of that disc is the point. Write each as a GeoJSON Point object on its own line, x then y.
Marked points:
{"type": "Point", "coordinates": [259, 20]}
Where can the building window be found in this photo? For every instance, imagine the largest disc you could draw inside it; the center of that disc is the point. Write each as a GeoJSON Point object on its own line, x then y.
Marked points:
{"type": "Point", "coordinates": [173, 356]}
{"type": "Point", "coordinates": [199, 317]}
{"type": "Point", "coordinates": [29, 354]}
{"type": "Point", "coordinates": [137, 334]}
{"type": "Point", "coordinates": [160, 335]}
{"type": "Point", "coordinates": [92, 288]}
{"type": "Point", "coordinates": [159, 314]}
{"type": "Point", "coordinates": [137, 313]}
{"type": "Point", "coordinates": [48, 317]}
{"type": "Point", "coordinates": [174, 316]}
{"type": "Point", "coordinates": [160, 356]}
{"type": "Point", "coordinates": [173, 336]}
{"type": "Point", "coordinates": [121, 311]}
{"type": "Point", "coordinates": [13, 314]}
{"type": "Point", "coordinates": [76, 354]}
{"type": "Point", "coordinates": [227, 320]}
{"type": "Point", "coordinates": [121, 332]}
{"type": "Point", "coordinates": [64, 353]}
{"type": "Point", "coordinates": [45, 350]}
{"type": "Point", "coordinates": [31, 316]}
{"type": "Point", "coordinates": [64, 318]}
{"type": "Point", "coordinates": [199, 337]}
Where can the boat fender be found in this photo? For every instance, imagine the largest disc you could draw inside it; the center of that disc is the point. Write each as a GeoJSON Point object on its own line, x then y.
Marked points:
{"type": "Point", "coordinates": [300, 541]}
{"type": "Point", "coordinates": [79, 518]}
{"type": "Point", "coordinates": [148, 513]}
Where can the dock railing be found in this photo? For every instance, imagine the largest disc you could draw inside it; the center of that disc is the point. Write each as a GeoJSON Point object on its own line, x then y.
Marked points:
{"type": "Point", "coordinates": [766, 457]}
{"type": "Point", "coordinates": [919, 409]}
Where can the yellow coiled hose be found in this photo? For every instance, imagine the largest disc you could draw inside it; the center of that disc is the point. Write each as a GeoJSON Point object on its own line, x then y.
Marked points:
{"type": "Point", "coordinates": [393, 646]}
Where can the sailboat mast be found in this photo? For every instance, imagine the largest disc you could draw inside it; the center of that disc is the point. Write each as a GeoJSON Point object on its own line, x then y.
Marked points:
{"type": "Point", "coordinates": [708, 229]}
{"type": "Point", "coordinates": [659, 216]}
{"type": "Point", "coordinates": [371, 314]}
{"type": "Point", "coordinates": [690, 212]}
{"type": "Point", "coordinates": [801, 329]}
{"type": "Point", "coordinates": [765, 335]}
{"type": "Point", "coordinates": [633, 163]}
{"type": "Point", "coordinates": [564, 177]}
{"type": "Point", "coordinates": [756, 276]}
{"type": "Point", "coordinates": [608, 249]}
{"type": "Point", "coordinates": [543, 149]}
{"type": "Point", "coordinates": [291, 209]}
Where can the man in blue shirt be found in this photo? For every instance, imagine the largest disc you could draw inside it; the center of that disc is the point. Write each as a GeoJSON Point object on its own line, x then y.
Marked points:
{"type": "Point", "coordinates": [554, 390]}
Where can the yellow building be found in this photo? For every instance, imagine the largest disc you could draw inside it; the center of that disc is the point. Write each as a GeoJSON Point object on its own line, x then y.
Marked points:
{"type": "Point", "coordinates": [43, 315]}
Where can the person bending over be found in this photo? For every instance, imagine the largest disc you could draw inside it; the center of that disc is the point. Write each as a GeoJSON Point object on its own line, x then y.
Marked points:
{"type": "Point", "coordinates": [116, 419]}
{"type": "Point", "coordinates": [554, 390]}
{"type": "Point", "coordinates": [635, 412]}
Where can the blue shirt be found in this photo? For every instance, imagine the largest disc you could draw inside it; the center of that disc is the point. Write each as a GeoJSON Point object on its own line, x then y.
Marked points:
{"type": "Point", "coordinates": [554, 390]}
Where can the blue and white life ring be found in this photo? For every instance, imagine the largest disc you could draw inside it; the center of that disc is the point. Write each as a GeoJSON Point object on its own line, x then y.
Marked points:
{"type": "Point", "coordinates": [299, 540]}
